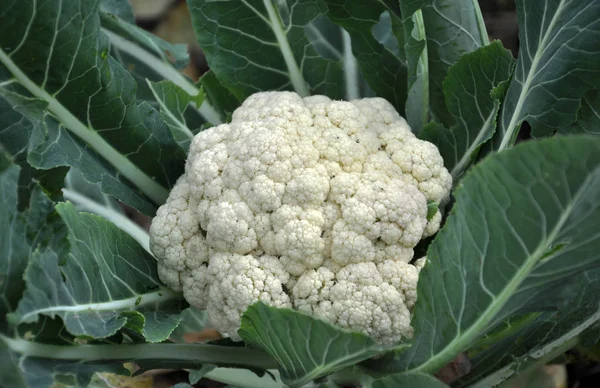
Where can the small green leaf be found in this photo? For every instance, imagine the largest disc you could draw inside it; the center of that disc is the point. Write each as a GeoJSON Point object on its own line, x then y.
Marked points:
{"type": "Point", "coordinates": [432, 209]}
{"type": "Point", "coordinates": [473, 90]}
{"type": "Point", "coordinates": [193, 320]}
{"type": "Point", "coordinates": [173, 102]}
{"type": "Point", "coordinates": [326, 348]}
{"type": "Point", "coordinates": [588, 118]}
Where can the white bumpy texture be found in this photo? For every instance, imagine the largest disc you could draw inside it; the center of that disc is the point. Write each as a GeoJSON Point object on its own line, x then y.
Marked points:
{"type": "Point", "coordinates": [305, 203]}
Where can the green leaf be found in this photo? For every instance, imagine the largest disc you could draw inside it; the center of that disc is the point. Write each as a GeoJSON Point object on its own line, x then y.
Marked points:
{"type": "Point", "coordinates": [197, 374]}
{"type": "Point", "coordinates": [489, 260]}
{"type": "Point", "coordinates": [377, 51]}
{"type": "Point", "coordinates": [147, 57]}
{"type": "Point", "coordinates": [219, 96]}
{"type": "Point", "coordinates": [417, 103]}
{"type": "Point", "coordinates": [557, 64]}
{"type": "Point", "coordinates": [473, 89]}
{"type": "Point", "coordinates": [173, 102]}
{"type": "Point", "coordinates": [16, 372]}
{"type": "Point", "coordinates": [588, 118]}
{"type": "Point", "coordinates": [21, 233]}
{"type": "Point", "coordinates": [432, 209]}
{"type": "Point", "coordinates": [159, 320]}
{"type": "Point", "coordinates": [120, 8]}
{"type": "Point", "coordinates": [173, 54]}
{"type": "Point", "coordinates": [193, 320]}
{"type": "Point", "coordinates": [408, 380]}
{"type": "Point", "coordinates": [73, 78]}
{"type": "Point", "coordinates": [44, 149]}
{"type": "Point", "coordinates": [540, 338]}
{"type": "Point", "coordinates": [326, 350]}
{"type": "Point", "coordinates": [89, 198]}
{"type": "Point", "coordinates": [105, 273]}
{"type": "Point", "coordinates": [453, 28]}
{"type": "Point", "coordinates": [14, 138]}
{"type": "Point", "coordinates": [258, 45]}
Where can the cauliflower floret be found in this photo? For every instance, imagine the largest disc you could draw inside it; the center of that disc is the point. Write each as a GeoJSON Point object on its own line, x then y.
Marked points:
{"type": "Point", "coordinates": [307, 203]}
{"type": "Point", "coordinates": [176, 236]}
{"type": "Point", "coordinates": [238, 281]}
{"type": "Point", "coordinates": [358, 298]}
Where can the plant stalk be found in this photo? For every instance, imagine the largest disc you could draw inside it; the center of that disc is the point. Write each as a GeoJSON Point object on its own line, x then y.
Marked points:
{"type": "Point", "coordinates": [202, 353]}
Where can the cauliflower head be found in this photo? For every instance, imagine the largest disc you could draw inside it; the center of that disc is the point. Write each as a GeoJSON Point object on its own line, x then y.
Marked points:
{"type": "Point", "coordinates": [305, 203]}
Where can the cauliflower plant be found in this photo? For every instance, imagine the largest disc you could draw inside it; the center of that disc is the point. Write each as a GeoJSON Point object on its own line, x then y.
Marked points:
{"type": "Point", "coordinates": [305, 203]}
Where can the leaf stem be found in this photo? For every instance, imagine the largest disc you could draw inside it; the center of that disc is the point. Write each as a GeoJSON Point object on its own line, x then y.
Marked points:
{"type": "Point", "coordinates": [350, 68]}
{"type": "Point", "coordinates": [202, 353]}
{"type": "Point", "coordinates": [422, 71]}
{"type": "Point", "coordinates": [154, 190]}
{"type": "Point", "coordinates": [288, 56]}
{"type": "Point", "coordinates": [166, 71]}
{"type": "Point", "coordinates": [485, 39]}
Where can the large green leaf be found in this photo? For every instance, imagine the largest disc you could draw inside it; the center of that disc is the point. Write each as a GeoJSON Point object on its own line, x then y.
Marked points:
{"type": "Point", "coordinates": [56, 55]}
{"type": "Point", "coordinates": [375, 28]}
{"type": "Point", "coordinates": [557, 64]}
{"type": "Point", "coordinates": [548, 333]}
{"type": "Point", "coordinates": [325, 348]}
{"type": "Point", "coordinates": [453, 28]}
{"type": "Point", "coordinates": [103, 273]}
{"type": "Point", "coordinates": [525, 221]}
{"type": "Point", "coordinates": [473, 101]}
{"type": "Point", "coordinates": [255, 45]}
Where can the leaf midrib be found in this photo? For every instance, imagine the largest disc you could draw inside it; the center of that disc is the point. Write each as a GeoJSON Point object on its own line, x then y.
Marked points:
{"type": "Point", "coordinates": [131, 303]}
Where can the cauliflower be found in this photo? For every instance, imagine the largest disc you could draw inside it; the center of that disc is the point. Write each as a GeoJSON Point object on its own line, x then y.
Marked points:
{"type": "Point", "coordinates": [305, 203]}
